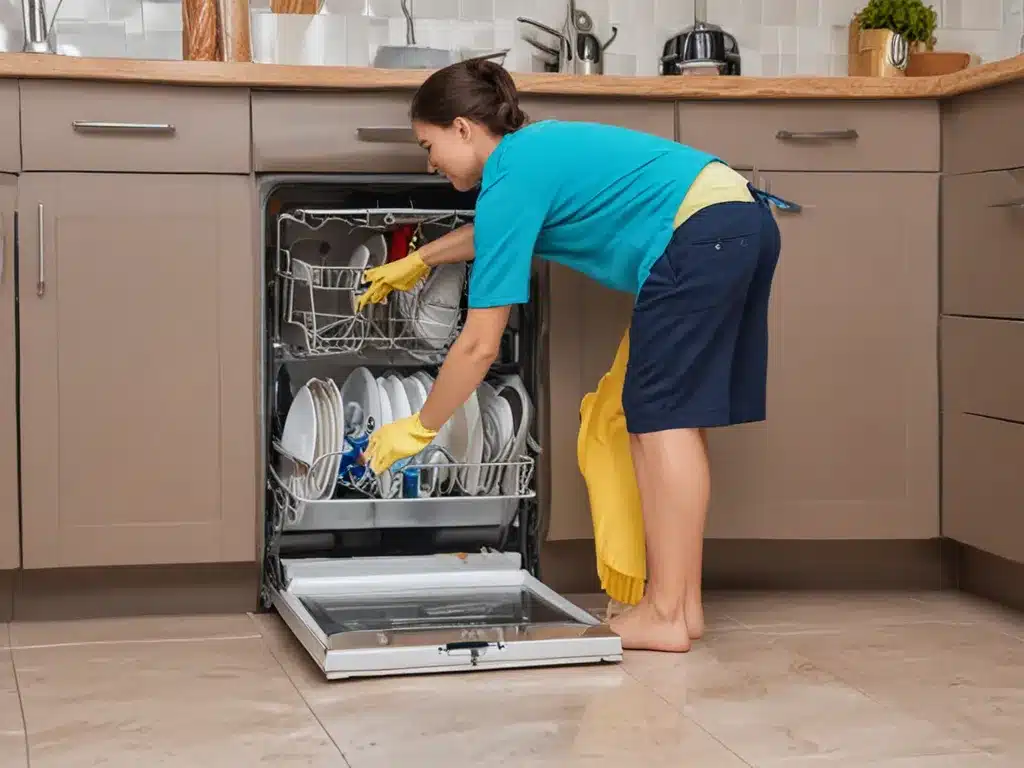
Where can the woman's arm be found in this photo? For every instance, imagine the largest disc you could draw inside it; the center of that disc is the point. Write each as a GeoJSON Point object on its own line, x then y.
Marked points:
{"type": "Point", "coordinates": [450, 248]}
{"type": "Point", "coordinates": [466, 365]}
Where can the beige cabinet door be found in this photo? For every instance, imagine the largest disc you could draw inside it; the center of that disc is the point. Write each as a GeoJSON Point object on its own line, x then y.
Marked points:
{"type": "Point", "coordinates": [850, 448]}
{"type": "Point", "coordinates": [138, 369]}
{"type": "Point", "coordinates": [10, 549]}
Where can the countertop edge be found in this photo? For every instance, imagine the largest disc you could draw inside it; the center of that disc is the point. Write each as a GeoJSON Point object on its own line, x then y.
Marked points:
{"type": "Point", "coordinates": [279, 76]}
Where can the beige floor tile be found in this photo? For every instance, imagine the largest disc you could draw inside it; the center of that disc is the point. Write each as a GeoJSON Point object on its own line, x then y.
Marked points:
{"type": "Point", "coordinates": [789, 612]}
{"type": "Point", "coordinates": [968, 679]}
{"type": "Point", "coordinates": [557, 717]}
{"type": "Point", "coordinates": [141, 629]}
{"type": "Point", "coordinates": [5, 635]}
{"type": "Point", "coordinates": [203, 703]}
{"type": "Point", "coordinates": [770, 705]}
{"type": "Point", "coordinates": [12, 730]}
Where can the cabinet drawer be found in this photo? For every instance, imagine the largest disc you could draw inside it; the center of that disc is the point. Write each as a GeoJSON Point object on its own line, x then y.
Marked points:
{"type": "Point", "coordinates": [982, 237]}
{"type": "Point", "coordinates": [334, 132]}
{"type": "Point", "coordinates": [814, 135]}
{"type": "Point", "coordinates": [654, 117]}
{"type": "Point", "coordinates": [10, 127]}
{"type": "Point", "coordinates": [154, 128]}
{"type": "Point", "coordinates": [983, 367]}
{"type": "Point", "coordinates": [982, 484]}
{"type": "Point", "coordinates": [981, 131]}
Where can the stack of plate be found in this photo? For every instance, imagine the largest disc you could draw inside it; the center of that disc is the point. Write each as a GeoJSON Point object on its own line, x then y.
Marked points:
{"type": "Point", "coordinates": [313, 435]}
{"type": "Point", "coordinates": [491, 428]}
{"type": "Point", "coordinates": [428, 315]}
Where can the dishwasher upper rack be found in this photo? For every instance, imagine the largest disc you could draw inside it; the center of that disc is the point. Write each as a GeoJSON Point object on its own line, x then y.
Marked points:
{"type": "Point", "coordinates": [325, 311]}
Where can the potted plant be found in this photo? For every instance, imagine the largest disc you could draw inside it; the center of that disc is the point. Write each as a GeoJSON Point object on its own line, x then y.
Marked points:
{"type": "Point", "coordinates": [884, 32]}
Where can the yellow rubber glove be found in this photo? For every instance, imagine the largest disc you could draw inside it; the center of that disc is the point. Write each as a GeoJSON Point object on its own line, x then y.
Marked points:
{"type": "Point", "coordinates": [399, 275]}
{"type": "Point", "coordinates": [397, 440]}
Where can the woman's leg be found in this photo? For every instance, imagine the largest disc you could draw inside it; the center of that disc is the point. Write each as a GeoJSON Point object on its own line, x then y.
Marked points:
{"type": "Point", "coordinates": [672, 473]}
{"type": "Point", "coordinates": [686, 330]}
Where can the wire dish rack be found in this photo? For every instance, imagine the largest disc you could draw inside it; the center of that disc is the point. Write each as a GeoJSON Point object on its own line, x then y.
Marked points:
{"type": "Point", "coordinates": [320, 300]}
{"type": "Point", "coordinates": [464, 494]}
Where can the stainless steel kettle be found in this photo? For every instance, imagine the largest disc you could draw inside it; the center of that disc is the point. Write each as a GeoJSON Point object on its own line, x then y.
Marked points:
{"type": "Point", "coordinates": [579, 51]}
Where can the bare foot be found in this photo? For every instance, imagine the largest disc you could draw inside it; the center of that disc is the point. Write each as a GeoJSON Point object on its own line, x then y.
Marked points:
{"type": "Point", "coordinates": [642, 628]}
{"type": "Point", "coordinates": [694, 615]}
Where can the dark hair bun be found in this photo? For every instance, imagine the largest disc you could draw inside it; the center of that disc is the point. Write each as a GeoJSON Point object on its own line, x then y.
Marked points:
{"type": "Point", "coordinates": [477, 89]}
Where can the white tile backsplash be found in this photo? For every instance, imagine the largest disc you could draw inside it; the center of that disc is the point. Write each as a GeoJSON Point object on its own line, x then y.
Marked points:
{"type": "Point", "coordinates": [775, 36]}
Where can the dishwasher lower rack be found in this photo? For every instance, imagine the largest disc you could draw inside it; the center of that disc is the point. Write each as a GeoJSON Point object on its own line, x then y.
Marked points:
{"type": "Point", "coordinates": [292, 513]}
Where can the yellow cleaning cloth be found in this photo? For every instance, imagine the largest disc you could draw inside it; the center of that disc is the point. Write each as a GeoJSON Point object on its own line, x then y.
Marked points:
{"type": "Point", "coordinates": [602, 450]}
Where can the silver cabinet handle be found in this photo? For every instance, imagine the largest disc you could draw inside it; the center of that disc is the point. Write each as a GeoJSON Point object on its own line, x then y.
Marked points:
{"type": "Point", "coordinates": [3, 256]}
{"type": "Point", "coordinates": [1019, 203]}
{"type": "Point", "coordinates": [41, 283]}
{"type": "Point", "coordinates": [849, 134]}
{"type": "Point", "coordinates": [386, 135]}
{"type": "Point", "coordinates": [84, 126]}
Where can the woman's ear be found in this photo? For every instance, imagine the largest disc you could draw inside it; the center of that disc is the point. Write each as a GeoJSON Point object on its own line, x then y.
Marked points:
{"type": "Point", "coordinates": [463, 128]}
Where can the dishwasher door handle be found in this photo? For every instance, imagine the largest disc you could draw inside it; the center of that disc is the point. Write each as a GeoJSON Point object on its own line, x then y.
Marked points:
{"type": "Point", "coordinates": [386, 134]}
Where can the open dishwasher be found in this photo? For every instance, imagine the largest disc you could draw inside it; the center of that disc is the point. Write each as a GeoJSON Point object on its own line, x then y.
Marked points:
{"type": "Point", "coordinates": [432, 566]}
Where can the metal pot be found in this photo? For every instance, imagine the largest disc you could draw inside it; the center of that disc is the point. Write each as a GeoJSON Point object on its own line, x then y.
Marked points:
{"type": "Point", "coordinates": [700, 47]}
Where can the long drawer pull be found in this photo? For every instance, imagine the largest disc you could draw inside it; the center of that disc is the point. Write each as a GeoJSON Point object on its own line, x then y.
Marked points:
{"type": "Point", "coordinates": [41, 284]}
{"type": "Point", "coordinates": [386, 135]}
{"type": "Point", "coordinates": [1018, 203]}
{"type": "Point", "coordinates": [849, 134]}
{"type": "Point", "coordinates": [3, 256]}
{"type": "Point", "coordinates": [93, 126]}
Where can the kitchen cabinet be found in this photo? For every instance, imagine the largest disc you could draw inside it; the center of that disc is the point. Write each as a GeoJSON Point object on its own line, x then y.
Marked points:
{"type": "Point", "coordinates": [982, 491]}
{"type": "Point", "coordinates": [983, 434]}
{"type": "Point", "coordinates": [138, 346]}
{"type": "Point", "coordinates": [10, 126]}
{"type": "Point", "coordinates": [850, 448]}
{"type": "Point", "coordinates": [10, 545]}
{"type": "Point", "coordinates": [982, 241]}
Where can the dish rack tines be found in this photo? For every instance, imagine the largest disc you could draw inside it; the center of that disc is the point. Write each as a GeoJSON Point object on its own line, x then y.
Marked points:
{"type": "Point", "coordinates": [378, 219]}
{"type": "Point", "coordinates": [510, 483]}
{"type": "Point", "coordinates": [320, 300]}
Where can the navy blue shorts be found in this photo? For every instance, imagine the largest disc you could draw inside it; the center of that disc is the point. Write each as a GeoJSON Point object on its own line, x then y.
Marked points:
{"type": "Point", "coordinates": [698, 343]}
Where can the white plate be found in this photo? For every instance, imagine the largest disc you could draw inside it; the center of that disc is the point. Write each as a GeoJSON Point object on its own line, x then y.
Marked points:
{"type": "Point", "coordinates": [499, 436]}
{"type": "Point", "coordinates": [513, 390]}
{"type": "Point", "coordinates": [339, 432]}
{"type": "Point", "coordinates": [388, 483]}
{"type": "Point", "coordinates": [432, 308]}
{"type": "Point", "coordinates": [400, 405]}
{"type": "Point", "coordinates": [361, 397]}
{"type": "Point", "coordinates": [468, 443]}
{"type": "Point", "coordinates": [372, 253]}
{"type": "Point", "coordinates": [444, 437]}
{"type": "Point", "coordinates": [298, 438]}
{"type": "Point", "coordinates": [324, 427]}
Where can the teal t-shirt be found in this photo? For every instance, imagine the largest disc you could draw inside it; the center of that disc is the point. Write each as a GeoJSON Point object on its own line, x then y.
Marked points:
{"type": "Point", "coordinates": [597, 198]}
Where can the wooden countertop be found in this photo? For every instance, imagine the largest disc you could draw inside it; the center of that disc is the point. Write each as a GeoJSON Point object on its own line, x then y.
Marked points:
{"type": "Point", "coordinates": [21, 65]}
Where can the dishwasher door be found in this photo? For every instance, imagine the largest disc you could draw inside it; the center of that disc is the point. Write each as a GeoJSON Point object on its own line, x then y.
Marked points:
{"type": "Point", "coordinates": [363, 617]}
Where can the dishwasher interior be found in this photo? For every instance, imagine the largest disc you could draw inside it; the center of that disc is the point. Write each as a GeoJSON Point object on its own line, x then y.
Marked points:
{"type": "Point", "coordinates": [433, 565]}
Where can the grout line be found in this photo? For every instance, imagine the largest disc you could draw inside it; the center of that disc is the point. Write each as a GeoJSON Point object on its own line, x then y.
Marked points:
{"type": "Point", "coordinates": [21, 704]}
{"type": "Point", "coordinates": [685, 716]}
{"type": "Point", "coordinates": [309, 707]}
{"type": "Point", "coordinates": [145, 641]}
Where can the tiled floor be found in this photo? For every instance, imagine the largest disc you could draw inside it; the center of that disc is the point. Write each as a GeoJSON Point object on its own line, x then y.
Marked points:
{"type": "Point", "coordinates": [782, 681]}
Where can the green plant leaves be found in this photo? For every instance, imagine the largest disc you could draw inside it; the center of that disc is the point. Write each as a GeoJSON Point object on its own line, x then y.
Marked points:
{"type": "Point", "coordinates": [910, 18]}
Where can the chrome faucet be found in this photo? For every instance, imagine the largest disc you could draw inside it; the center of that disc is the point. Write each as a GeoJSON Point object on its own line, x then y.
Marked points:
{"type": "Point", "coordinates": [37, 34]}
